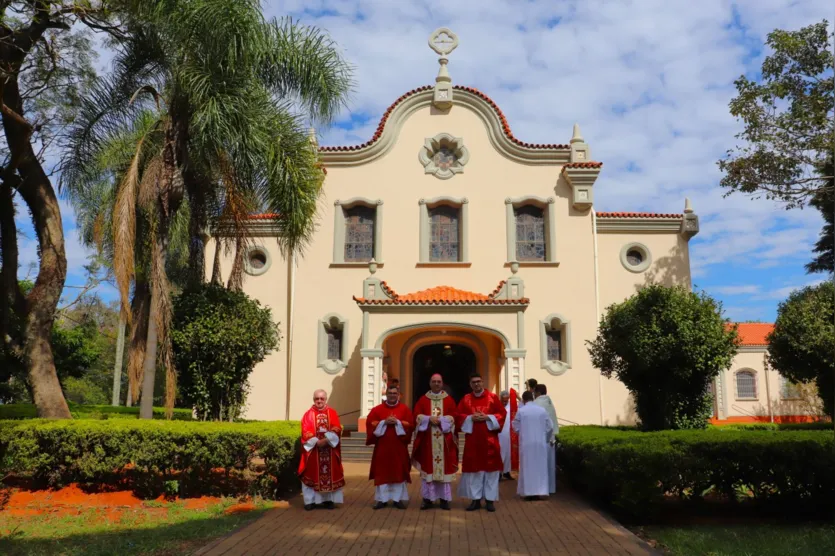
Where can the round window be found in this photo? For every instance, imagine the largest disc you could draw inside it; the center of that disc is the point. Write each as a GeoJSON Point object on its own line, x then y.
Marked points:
{"type": "Point", "coordinates": [635, 257]}
{"type": "Point", "coordinates": [257, 261]}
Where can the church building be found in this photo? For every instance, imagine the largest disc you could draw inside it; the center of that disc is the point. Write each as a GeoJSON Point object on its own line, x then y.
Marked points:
{"type": "Point", "coordinates": [447, 244]}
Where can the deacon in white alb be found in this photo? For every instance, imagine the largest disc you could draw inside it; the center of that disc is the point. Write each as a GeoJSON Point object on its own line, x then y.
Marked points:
{"type": "Point", "coordinates": [535, 430]}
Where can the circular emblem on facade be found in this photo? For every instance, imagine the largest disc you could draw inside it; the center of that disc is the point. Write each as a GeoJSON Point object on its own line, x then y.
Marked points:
{"type": "Point", "coordinates": [444, 155]}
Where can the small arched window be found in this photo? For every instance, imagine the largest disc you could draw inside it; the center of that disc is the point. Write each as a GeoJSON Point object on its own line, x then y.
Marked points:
{"type": "Point", "coordinates": [359, 233]}
{"type": "Point", "coordinates": [444, 234]}
{"type": "Point", "coordinates": [746, 385]}
{"type": "Point", "coordinates": [530, 233]}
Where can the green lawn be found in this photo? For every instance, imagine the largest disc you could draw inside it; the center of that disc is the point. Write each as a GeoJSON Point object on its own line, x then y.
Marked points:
{"type": "Point", "coordinates": [745, 540]}
{"type": "Point", "coordinates": [154, 528]}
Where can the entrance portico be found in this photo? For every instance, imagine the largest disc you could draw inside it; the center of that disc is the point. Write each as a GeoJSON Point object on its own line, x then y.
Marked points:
{"type": "Point", "coordinates": [452, 331]}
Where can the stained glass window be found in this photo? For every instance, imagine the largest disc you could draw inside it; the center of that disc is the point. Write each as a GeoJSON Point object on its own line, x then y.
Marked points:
{"type": "Point", "coordinates": [554, 338]}
{"type": "Point", "coordinates": [444, 158]}
{"type": "Point", "coordinates": [746, 384]}
{"type": "Point", "coordinates": [359, 234]}
{"type": "Point", "coordinates": [634, 257]}
{"type": "Point", "coordinates": [530, 233]}
{"type": "Point", "coordinates": [444, 234]}
{"type": "Point", "coordinates": [257, 259]}
{"type": "Point", "coordinates": [334, 343]}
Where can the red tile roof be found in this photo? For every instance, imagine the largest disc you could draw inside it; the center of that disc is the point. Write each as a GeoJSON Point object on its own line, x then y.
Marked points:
{"type": "Point", "coordinates": [264, 216]}
{"type": "Point", "coordinates": [754, 333]}
{"type": "Point", "coordinates": [499, 113]}
{"type": "Point", "coordinates": [441, 295]}
{"type": "Point", "coordinates": [637, 215]}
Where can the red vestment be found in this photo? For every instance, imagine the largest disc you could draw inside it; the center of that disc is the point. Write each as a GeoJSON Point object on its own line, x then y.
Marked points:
{"type": "Point", "coordinates": [514, 436]}
{"type": "Point", "coordinates": [321, 468]}
{"type": "Point", "coordinates": [482, 451]}
{"type": "Point", "coordinates": [390, 461]}
{"type": "Point", "coordinates": [432, 445]}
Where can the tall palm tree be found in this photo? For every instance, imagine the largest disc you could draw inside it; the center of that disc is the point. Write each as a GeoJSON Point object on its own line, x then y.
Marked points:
{"type": "Point", "coordinates": [229, 93]}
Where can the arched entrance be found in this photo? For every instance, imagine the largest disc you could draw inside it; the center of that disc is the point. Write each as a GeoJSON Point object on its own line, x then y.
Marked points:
{"type": "Point", "coordinates": [454, 362]}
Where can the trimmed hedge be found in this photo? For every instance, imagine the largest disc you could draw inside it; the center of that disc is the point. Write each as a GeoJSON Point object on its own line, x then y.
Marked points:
{"type": "Point", "coordinates": [153, 457]}
{"type": "Point", "coordinates": [635, 473]}
{"type": "Point", "coordinates": [29, 411]}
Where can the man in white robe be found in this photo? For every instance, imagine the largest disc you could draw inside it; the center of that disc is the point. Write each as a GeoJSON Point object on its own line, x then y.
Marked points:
{"type": "Point", "coordinates": [541, 399]}
{"type": "Point", "coordinates": [535, 430]}
{"type": "Point", "coordinates": [504, 435]}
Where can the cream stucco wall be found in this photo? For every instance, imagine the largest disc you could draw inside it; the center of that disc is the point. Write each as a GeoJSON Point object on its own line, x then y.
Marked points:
{"type": "Point", "coordinates": [570, 288]}
{"type": "Point", "coordinates": [769, 387]}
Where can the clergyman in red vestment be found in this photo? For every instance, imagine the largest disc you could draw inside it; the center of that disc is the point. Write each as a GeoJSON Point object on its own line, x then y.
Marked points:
{"type": "Point", "coordinates": [320, 468]}
{"type": "Point", "coordinates": [481, 417]}
{"type": "Point", "coordinates": [435, 452]}
{"type": "Point", "coordinates": [509, 438]}
{"type": "Point", "coordinates": [389, 430]}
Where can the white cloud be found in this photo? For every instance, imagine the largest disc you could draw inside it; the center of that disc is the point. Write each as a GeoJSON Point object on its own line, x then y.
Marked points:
{"type": "Point", "coordinates": [737, 290]}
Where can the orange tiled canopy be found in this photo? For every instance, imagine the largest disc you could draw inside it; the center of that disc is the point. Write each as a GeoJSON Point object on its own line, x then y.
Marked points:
{"type": "Point", "coordinates": [442, 295]}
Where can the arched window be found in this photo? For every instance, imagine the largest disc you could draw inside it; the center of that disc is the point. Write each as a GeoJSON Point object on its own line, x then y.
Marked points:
{"type": "Point", "coordinates": [746, 385]}
{"type": "Point", "coordinates": [359, 233]}
{"type": "Point", "coordinates": [444, 227]}
{"type": "Point", "coordinates": [530, 233]}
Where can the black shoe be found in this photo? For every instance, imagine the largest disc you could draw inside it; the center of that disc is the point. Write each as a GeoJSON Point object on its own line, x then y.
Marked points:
{"type": "Point", "coordinates": [490, 506]}
{"type": "Point", "coordinates": [474, 505]}
{"type": "Point", "coordinates": [529, 498]}
{"type": "Point", "coordinates": [399, 505]}
{"type": "Point", "coordinates": [444, 504]}
{"type": "Point", "coordinates": [426, 504]}
{"type": "Point", "coordinates": [309, 507]}
{"type": "Point", "coordinates": [507, 476]}
{"type": "Point", "coordinates": [329, 506]}
{"type": "Point", "coordinates": [379, 505]}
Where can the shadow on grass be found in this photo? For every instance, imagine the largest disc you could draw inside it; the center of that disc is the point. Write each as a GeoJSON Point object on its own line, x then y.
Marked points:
{"type": "Point", "coordinates": [162, 539]}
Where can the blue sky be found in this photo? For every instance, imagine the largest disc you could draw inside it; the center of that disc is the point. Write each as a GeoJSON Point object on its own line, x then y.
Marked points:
{"type": "Point", "coordinates": [648, 81]}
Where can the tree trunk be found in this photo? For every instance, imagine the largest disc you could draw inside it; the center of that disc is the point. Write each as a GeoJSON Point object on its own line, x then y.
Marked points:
{"type": "Point", "coordinates": [41, 303]}
{"type": "Point", "coordinates": [12, 302]}
{"type": "Point", "coordinates": [36, 191]}
{"type": "Point", "coordinates": [117, 366]}
{"type": "Point", "coordinates": [149, 367]}
{"type": "Point", "coordinates": [140, 309]}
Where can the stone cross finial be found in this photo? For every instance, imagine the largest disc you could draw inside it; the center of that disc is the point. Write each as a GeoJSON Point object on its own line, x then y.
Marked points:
{"type": "Point", "coordinates": [443, 41]}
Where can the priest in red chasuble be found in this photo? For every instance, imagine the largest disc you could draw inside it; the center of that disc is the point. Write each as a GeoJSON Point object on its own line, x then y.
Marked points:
{"type": "Point", "coordinates": [320, 468]}
{"type": "Point", "coordinates": [435, 452]}
{"type": "Point", "coordinates": [509, 438]}
{"type": "Point", "coordinates": [481, 416]}
{"type": "Point", "coordinates": [389, 430]}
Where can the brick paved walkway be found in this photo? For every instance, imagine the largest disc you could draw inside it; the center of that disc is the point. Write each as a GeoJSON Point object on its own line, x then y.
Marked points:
{"type": "Point", "coordinates": [563, 524]}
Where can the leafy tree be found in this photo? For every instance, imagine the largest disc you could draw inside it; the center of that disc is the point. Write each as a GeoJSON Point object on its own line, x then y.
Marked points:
{"type": "Point", "coordinates": [824, 201]}
{"type": "Point", "coordinates": [226, 135]}
{"type": "Point", "coordinates": [787, 118]}
{"type": "Point", "coordinates": [219, 336]}
{"type": "Point", "coordinates": [802, 345]}
{"type": "Point", "coordinates": [665, 344]}
{"type": "Point", "coordinates": [45, 62]}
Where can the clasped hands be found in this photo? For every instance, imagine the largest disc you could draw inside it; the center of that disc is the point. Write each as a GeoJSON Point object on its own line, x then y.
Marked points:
{"type": "Point", "coordinates": [480, 417]}
{"type": "Point", "coordinates": [324, 440]}
{"type": "Point", "coordinates": [391, 420]}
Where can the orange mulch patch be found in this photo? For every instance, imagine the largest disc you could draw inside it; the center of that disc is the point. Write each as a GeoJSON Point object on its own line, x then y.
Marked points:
{"type": "Point", "coordinates": [71, 500]}
{"type": "Point", "coordinates": [240, 508]}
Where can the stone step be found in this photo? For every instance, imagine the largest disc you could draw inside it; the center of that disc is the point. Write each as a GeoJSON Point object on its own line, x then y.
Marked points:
{"type": "Point", "coordinates": [354, 449]}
